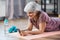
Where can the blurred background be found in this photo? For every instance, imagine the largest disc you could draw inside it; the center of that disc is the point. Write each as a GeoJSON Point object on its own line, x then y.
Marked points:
{"type": "Point", "coordinates": [15, 8]}
{"type": "Point", "coordinates": [14, 11]}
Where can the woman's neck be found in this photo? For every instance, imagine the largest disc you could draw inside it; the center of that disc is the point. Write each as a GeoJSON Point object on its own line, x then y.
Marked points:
{"type": "Point", "coordinates": [37, 15]}
{"type": "Point", "coordinates": [35, 18]}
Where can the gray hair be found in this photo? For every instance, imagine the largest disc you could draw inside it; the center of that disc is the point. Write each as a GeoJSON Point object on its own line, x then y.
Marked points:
{"type": "Point", "coordinates": [32, 6]}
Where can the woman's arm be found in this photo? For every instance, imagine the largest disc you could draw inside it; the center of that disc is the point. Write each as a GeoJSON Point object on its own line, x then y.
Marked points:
{"type": "Point", "coordinates": [30, 26]}
{"type": "Point", "coordinates": [41, 29]}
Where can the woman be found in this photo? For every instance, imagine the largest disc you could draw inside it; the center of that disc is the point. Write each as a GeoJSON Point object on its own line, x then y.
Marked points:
{"type": "Point", "coordinates": [40, 20]}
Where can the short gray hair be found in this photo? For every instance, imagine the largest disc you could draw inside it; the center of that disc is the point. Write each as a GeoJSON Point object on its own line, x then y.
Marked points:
{"type": "Point", "coordinates": [32, 6]}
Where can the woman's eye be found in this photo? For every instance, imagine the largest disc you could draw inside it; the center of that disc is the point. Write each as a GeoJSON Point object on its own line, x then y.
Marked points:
{"type": "Point", "coordinates": [30, 12]}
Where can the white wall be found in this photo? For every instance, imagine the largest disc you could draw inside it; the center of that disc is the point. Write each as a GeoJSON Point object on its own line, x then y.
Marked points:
{"type": "Point", "coordinates": [2, 8]}
{"type": "Point", "coordinates": [27, 1]}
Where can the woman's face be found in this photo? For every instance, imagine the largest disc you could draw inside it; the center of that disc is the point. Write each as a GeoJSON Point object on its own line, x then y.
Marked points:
{"type": "Point", "coordinates": [31, 14]}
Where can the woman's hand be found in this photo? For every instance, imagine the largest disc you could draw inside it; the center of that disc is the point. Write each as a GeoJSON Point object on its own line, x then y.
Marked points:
{"type": "Point", "coordinates": [24, 33]}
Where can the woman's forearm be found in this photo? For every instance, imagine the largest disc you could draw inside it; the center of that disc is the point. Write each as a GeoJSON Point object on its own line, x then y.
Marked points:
{"type": "Point", "coordinates": [27, 30]}
{"type": "Point", "coordinates": [34, 32]}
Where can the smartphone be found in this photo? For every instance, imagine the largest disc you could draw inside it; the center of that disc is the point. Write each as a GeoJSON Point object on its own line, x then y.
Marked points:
{"type": "Point", "coordinates": [19, 31]}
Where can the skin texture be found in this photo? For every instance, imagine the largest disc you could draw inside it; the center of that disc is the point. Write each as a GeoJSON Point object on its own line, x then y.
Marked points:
{"type": "Point", "coordinates": [37, 1]}
{"type": "Point", "coordinates": [32, 15]}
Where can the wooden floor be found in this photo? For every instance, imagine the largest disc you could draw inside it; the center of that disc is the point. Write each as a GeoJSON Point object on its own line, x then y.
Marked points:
{"type": "Point", "coordinates": [22, 24]}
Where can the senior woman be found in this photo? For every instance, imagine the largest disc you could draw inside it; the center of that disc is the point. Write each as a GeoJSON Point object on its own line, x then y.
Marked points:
{"type": "Point", "coordinates": [40, 20]}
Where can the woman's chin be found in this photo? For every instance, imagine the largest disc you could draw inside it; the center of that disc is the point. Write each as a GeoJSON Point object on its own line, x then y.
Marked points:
{"type": "Point", "coordinates": [31, 17]}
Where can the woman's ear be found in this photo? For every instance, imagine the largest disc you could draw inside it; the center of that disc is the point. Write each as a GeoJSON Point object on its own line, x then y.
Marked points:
{"type": "Point", "coordinates": [37, 1]}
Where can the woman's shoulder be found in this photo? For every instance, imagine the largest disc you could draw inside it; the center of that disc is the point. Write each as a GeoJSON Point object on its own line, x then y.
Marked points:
{"type": "Point", "coordinates": [44, 17]}
{"type": "Point", "coordinates": [44, 13]}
